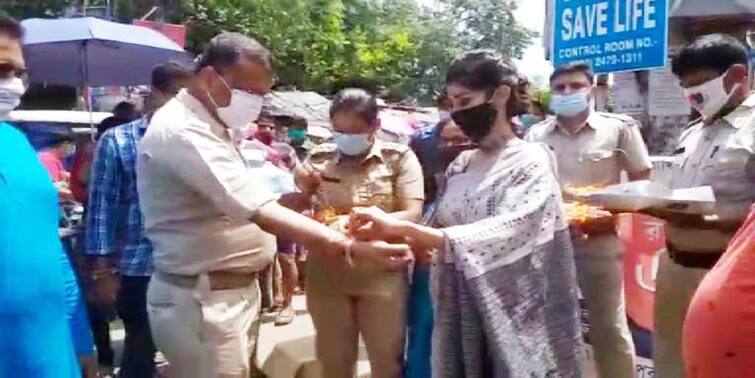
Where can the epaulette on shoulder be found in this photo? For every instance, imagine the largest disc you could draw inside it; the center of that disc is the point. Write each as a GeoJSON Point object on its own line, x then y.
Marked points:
{"type": "Point", "coordinates": [322, 150]}
{"type": "Point", "coordinates": [618, 116]}
{"type": "Point", "coordinates": [398, 147]}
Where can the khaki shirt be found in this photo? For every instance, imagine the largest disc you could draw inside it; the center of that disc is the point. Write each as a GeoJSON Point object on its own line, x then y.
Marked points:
{"type": "Point", "coordinates": [720, 155]}
{"type": "Point", "coordinates": [388, 174]}
{"type": "Point", "coordinates": [598, 152]}
{"type": "Point", "coordinates": [197, 195]}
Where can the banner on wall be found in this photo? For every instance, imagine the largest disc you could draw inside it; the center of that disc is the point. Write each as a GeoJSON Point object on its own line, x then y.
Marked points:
{"type": "Point", "coordinates": [643, 239]}
{"type": "Point", "coordinates": [177, 33]}
{"type": "Point", "coordinates": [613, 35]}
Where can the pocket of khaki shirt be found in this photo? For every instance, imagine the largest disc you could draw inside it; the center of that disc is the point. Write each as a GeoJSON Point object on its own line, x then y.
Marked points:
{"type": "Point", "coordinates": [378, 190]}
{"type": "Point", "coordinates": [601, 161]}
{"type": "Point", "coordinates": [335, 194]}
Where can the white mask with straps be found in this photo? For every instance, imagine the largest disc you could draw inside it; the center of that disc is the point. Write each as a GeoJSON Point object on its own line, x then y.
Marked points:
{"type": "Point", "coordinates": [242, 110]}
{"type": "Point", "coordinates": [710, 97]}
{"type": "Point", "coordinates": [11, 91]}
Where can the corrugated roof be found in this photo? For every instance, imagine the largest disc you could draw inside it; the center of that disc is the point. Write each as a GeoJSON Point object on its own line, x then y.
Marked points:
{"type": "Point", "coordinates": [307, 105]}
{"type": "Point", "coordinates": [708, 8]}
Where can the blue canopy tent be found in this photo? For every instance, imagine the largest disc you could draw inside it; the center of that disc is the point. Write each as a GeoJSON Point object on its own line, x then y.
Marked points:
{"type": "Point", "coordinates": [94, 52]}
{"type": "Point", "coordinates": [85, 52]}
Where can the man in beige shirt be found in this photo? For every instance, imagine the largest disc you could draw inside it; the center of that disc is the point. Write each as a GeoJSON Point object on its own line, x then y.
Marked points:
{"type": "Point", "coordinates": [718, 150]}
{"type": "Point", "coordinates": [211, 222]}
{"type": "Point", "coordinates": [592, 149]}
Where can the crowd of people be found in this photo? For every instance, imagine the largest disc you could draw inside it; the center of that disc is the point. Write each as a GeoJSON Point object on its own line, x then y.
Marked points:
{"type": "Point", "coordinates": [450, 257]}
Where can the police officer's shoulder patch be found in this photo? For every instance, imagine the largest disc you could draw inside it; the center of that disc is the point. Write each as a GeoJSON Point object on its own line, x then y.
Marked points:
{"type": "Point", "coordinates": [395, 147]}
{"type": "Point", "coordinates": [618, 116]}
{"type": "Point", "coordinates": [621, 120]}
{"type": "Point", "coordinates": [539, 130]}
{"type": "Point", "coordinates": [322, 152]}
{"type": "Point", "coordinates": [394, 153]}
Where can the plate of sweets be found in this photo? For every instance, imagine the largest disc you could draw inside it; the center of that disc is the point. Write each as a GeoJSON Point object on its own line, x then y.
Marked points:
{"type": "Point", "coordinates": [639, 195]}
{"type": "Point", "coordinates": [589, 219]}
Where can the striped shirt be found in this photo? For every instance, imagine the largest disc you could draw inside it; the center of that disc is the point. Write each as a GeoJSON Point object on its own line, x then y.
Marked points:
{"type": "Point", "coordinates": [114, 223]}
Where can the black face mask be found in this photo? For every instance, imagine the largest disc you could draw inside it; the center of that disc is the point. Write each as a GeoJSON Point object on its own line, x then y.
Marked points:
{"type": "Point", "coordinates": [476, 122]}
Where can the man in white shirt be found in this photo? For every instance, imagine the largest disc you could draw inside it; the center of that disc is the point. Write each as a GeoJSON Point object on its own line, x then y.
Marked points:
{"type": "Point", "coordinates": [210, 221]}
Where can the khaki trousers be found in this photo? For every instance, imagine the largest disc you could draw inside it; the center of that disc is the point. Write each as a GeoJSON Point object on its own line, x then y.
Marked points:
{"type": "Point", "coordinates": [600, 270]}
{"type": "Point", "coordinates": [342, 310]}
{"type": "Point", "coordinates": [204, 333]}
{"type": "Point", "coordinates": [674, 288]}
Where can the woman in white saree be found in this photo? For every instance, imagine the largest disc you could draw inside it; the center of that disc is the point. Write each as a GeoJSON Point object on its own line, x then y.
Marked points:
{"type": "Point", "coordinates": [505, 288]}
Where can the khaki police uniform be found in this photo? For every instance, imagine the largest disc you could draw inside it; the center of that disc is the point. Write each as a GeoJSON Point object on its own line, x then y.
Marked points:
{"type": "Point", "coordinates": [720, 154]}
{"type": "Point", "coordinates": [348, 301]}
{"type": "Point", "coordinates": [595, 155]}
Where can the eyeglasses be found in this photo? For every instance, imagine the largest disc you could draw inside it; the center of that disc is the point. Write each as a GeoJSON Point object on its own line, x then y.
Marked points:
{"type": "Point", "coordinates": [9, 70]}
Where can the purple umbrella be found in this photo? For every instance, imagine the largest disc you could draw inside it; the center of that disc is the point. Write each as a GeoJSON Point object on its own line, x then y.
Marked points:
{"type": "Point", "coordinates": [93, 52]}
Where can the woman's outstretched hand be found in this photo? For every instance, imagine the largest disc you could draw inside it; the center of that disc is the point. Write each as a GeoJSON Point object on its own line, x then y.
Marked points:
{"type": "Point", "coordinates": [372, 223]}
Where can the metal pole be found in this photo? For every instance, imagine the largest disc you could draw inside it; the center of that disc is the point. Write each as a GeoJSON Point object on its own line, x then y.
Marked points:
{"type": "Point", "coordinates": [750, 39]}
{"type": "Point", "coordinates": [87, 88]}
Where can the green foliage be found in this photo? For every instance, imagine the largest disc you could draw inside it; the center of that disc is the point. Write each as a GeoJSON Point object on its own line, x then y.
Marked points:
{"type": "Point", "coordinates": [124, 10]}
{"type": "Point", "coordinates": [326, 45]}
{"type": "Point", "coordinates": [21, 9]}
{"type": "Point", "coordinates": [490, 24]}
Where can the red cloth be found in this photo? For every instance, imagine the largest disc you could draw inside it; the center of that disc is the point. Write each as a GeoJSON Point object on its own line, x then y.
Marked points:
{"type": "Point", "coordinates": [719, 332]}
{"type": "Point", "coordinates": [82, 165]}
{"type": "Point", "coordinates": [53, 165]}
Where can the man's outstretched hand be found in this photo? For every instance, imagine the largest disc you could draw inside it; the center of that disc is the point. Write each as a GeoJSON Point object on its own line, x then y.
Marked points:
{"type": "Point", "coordinates": [381, 254]}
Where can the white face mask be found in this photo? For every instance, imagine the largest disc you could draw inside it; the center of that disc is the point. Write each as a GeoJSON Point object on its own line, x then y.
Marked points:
{"type": "Point", "coordinates": [243, 109]}
{"type": "Point", "coordinates": [11, 91]}
{"type": "Point", "coordinates": [710, 97]}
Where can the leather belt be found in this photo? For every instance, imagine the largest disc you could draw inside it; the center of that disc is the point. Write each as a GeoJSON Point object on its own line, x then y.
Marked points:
{"type": "Point", "coordinates": [699, 260]}
{"type": "Point", "coordinates": [219, 280]}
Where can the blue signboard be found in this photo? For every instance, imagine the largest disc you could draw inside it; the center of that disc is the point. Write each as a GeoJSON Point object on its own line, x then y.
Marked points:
{"type": "Point", "coordinates": [613, 35]}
